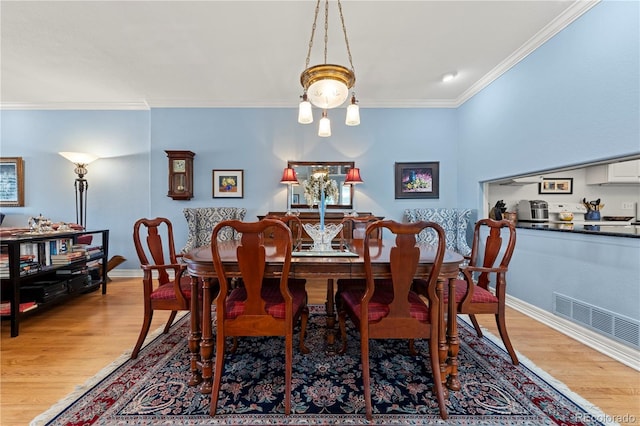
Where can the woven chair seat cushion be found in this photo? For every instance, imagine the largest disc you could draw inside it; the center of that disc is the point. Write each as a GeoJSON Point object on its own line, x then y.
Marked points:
{"type": "Point", "coordinates": [274, 302]}
{"type": "Point", "coordinates": [379, 303]}
{"type": "Point", "coordinates": [480, 295]}
{"type": "Point", "coordinates": [167, 292]}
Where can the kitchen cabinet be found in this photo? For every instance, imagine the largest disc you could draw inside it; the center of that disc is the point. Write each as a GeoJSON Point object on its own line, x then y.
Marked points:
{"type": "Point", "coordinates": [622, 172]}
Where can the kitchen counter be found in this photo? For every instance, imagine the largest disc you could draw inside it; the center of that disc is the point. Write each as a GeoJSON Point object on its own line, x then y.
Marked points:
{"type": "Point", "coordinates": [629, 231]}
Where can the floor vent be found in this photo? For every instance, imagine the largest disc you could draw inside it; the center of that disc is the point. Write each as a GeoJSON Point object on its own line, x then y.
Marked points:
{"type": "Point", "coordinates": [611, 324]}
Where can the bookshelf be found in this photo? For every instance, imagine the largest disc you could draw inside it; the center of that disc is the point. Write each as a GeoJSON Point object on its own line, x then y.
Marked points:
{"type": "Point", "coordinates": [49, 269]}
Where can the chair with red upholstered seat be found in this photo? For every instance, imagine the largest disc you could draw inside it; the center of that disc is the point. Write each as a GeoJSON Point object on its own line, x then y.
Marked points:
{"type": "Point", "coordinates": [171, 289]}
{"type": "Point", "coordinates": [389, 309]}
{"type": "Point", "coordinates": [258, 307]}
{"type": "Point", "coordinates": [488, 266]}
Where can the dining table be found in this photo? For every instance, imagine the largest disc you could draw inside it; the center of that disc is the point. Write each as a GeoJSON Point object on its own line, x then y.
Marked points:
{"type": "Point", "coordinates": [347, 261]}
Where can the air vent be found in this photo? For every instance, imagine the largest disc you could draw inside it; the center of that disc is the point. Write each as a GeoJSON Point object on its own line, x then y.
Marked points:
{"type": "Point", "coordinates": [611, 324]}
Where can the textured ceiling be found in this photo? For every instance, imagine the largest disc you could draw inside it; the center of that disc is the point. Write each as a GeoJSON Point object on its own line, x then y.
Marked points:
{"type": "Point", "coordinates": [141, 54]}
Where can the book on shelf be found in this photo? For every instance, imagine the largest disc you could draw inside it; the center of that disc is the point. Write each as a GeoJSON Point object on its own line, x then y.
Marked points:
{"type": "Point", "coordinates": [5, 307]}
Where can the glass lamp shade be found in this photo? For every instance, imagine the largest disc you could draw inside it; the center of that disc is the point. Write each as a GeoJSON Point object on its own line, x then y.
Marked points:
{"type": "Point", "coordinates": [327, 85]}
{"type": "Point", "coordinates": [78, 157]}
{"type": "Point", "coordinates": [324, 130]}
{"type": "Point", "coordinates": [353, 177]}
{"type": "Point", "coordinates": [353, 115]}
{"type": "Point", "coordinates": [328, 93]}
{"type": "Point", "coordinates": [289, 176]}
{"type": "Point", "coordinates": [305, 116]}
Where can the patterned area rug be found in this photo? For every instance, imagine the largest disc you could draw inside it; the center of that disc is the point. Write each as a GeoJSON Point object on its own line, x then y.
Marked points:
{"type": "Point", "coordinates": [327, 389]}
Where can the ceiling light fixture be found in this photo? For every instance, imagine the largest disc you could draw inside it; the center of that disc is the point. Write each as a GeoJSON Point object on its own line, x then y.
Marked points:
{"type": "Point", "coordinates": [449, 77]}
{"type": "Point", "coordinates": [327, 85]}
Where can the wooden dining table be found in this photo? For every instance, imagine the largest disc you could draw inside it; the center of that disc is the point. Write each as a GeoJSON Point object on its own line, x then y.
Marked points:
{"type": "Point", "coordinates": [347, 262]}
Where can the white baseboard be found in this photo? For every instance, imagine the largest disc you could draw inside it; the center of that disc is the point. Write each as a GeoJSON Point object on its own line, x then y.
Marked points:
{"type": "Point", "coordinates": [609, 347]}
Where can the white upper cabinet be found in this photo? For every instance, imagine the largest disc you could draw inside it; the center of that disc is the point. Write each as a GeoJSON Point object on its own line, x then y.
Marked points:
{"type": "Point", "coordinates": [623, 172]}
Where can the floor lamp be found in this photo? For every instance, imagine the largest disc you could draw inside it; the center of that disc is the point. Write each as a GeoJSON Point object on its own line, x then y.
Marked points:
{"type": "Point", "coordinates": [289, 177]}
{"type": "Point", "coordinates": [81, 160]}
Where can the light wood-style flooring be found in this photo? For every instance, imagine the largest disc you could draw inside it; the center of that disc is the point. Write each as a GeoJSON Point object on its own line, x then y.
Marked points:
{"type": "Point", "coordinates": [63, 347]}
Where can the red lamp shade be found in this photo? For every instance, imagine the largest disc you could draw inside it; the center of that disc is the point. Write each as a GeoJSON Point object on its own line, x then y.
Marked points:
{"type": "Point", "coordinates": [353, 177]}
{"type": "Point", "coordinates": [289, 176]}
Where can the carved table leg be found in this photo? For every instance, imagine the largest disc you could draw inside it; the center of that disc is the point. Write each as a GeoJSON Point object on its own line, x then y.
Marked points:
{"type": "Point", "coordinates": [194, 338]}
{"type": "Point", "coordinates": [331, 315]}
{"type": "Point", "coordinates": [206, 346]}
{"type": "Point", "coordinates": [452, 336]}
{"type": "Point", "coordinates": [443, 347]}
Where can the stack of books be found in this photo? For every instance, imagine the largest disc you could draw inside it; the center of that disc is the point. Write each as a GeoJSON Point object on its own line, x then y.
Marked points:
{"type": "Point", "coordinates": [68, 257]}
{"type": "Point", "coordinates": [5, 307]}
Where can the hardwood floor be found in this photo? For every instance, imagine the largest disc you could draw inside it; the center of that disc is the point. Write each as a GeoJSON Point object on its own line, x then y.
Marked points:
{"type": "Point", "coordinates": [62, 348]}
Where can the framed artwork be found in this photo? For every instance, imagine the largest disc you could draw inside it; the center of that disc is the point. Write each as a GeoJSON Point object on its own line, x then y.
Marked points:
{"type": "Point", "coordinates": [556, 186]}
{"type": "Point", "coordinates": [228, 184]}
{"type": "Point", "coordinates": [11, 182]}
{"type": "Point", "coordinates": [296, 198]}
{"type": "Point", "coordinates": [418, 180]}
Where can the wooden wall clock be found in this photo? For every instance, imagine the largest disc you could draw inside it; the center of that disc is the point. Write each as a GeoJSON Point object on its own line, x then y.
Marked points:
{"type": "Point", "coordinates": [180, 174]}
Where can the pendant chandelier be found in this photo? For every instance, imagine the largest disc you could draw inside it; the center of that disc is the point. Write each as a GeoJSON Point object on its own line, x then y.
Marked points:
{"type": "Point", "coordinates": [327, 85]}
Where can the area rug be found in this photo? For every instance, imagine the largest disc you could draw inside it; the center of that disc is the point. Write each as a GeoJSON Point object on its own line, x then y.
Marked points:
{"type": "Point", "coordinates": [327, 388]}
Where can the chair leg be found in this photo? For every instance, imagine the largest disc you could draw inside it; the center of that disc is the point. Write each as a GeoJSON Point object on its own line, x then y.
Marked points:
{"type": "Point", "coordinates": [288, 373]}
{"type": "Point", "coordinates": [343, 332]}
{"type": "Point", "coordinates": [218, 373]}
{"type": "Point", "coordinates": [303, 330]}
{"type": "Point", "coordinates": [412, 348]}
{"type": "Point", "coordinates": [366, 380]}
{"type": "Point", "coordinates": [146, 323]}
{"type": "Point", "coordinates": [438, 387]}
{"type": "Point", "coordinates": [172, 317]}
{"type": "Point", "coordinates": [474, 321]}
{"type": "Point", "coordinates": [502, 328]}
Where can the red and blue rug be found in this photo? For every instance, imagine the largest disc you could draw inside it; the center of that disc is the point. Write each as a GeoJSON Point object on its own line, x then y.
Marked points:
{"type": "Point", "coordinates": [327, 389]}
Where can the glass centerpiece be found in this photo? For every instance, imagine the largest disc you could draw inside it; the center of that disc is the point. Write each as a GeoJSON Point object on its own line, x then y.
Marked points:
{"type": "Point", "coordinates": [319, 189]}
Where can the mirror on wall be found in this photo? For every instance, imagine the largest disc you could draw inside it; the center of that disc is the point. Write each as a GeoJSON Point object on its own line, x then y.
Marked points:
{"type": "Point", "coordinates": [337, 171]}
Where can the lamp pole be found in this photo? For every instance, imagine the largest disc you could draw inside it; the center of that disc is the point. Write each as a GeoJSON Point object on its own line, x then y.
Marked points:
{"type": "Point", "coordinates": [81, 185]}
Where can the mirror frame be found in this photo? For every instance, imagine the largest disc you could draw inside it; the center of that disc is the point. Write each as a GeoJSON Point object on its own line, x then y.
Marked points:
{"type": "Point", "coordinates": [346, 164]}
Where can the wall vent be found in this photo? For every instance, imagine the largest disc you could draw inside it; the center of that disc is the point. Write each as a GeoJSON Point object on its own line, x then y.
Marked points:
{"type": "Point", "coordinates": [611, 324]}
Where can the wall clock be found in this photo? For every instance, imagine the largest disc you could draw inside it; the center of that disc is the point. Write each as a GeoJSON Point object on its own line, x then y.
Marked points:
{"type": "Point", "coordinates": [180, 174]}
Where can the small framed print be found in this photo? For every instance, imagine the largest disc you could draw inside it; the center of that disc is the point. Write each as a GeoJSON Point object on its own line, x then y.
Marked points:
{"type": "Point", "coordinates": [556, 186]}
{"type": "Point", "coordinates": [228, 184]}
{"type": "Point", "coordinates": [11, 182]}
{"type": "Point", "coordinates": [418, 180]}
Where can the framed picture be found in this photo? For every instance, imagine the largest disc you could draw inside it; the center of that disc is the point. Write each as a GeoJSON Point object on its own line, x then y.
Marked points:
{"type": "Point", "coordinates": [228, 184]}
{"type": "Point", "coordinates": [11, 182]}
{"type": "Point", "coordinates": [296, 198]}
{"type": "Point", "coordinates": [556, 186]}
{"type": "Point", "coordinates": [418, 180]}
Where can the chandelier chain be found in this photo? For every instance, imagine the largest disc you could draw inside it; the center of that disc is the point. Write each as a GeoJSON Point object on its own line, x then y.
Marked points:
{"type": "Point", "coordinates": [346, 40]}
{"type": "Point", "coordinates": [326, 33]}
{"type": "Point", "coordinates": [313, 31]}
{"type": "Point", "coordinates": [326, 28]}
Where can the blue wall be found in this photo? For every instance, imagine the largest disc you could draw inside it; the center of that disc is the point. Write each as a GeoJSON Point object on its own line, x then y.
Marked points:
{"type": "Point", "coordinates": [573, 100]}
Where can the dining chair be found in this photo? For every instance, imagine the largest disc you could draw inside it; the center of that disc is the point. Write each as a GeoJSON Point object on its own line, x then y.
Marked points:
{"type": "Point", "coordinates": [389, 309]}
{"type": "Point", "coordinates": [485, 270]}
{"type": "Point", "coordinates": [257, 308]}
{"type": "Point", "coordinates": [353, 228]}
{"type": "Point", "coordinates": [170, 290]}
{"type": "Point", "coordinates": [295, 225]}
